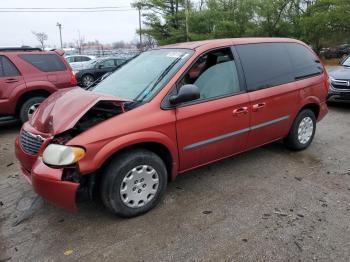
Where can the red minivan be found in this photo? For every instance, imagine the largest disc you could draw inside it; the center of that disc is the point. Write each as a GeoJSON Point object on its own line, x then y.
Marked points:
{"type": "Point", "coordinates": [170, 110]}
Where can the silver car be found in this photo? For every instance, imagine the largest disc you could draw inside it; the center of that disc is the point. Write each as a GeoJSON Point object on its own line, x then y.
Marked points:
{"type": "Point", "coordinates": [340, 81]}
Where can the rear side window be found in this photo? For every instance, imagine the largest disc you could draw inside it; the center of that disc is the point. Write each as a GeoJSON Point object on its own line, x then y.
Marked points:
{"type": "Point", "coordinates": [107, 63]}
{"type": "Point", "coordinates": [265, 65]}
{"type": "Point", "coordinates": [304, 62]}
{"type": "Point", "coordinates": [45, 62]}
{"type": "Point", "coordinates": [70, 59]}
{"type": "Point", "coordinates": [85, 58]}
{"type": "Point", "coordinates": [7, 68]}
{"type": "Point", "coordinates": [119, 62]}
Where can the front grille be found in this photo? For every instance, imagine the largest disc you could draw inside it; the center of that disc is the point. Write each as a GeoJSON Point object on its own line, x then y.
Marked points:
{"type": "Point", "coordinates": [341, 84]}
{"type": "Point", "coordinates": [30, 143]}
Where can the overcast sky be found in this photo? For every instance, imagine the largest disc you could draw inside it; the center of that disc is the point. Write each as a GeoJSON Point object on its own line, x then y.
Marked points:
{"type": "Point", "coordinates": [107, 27]}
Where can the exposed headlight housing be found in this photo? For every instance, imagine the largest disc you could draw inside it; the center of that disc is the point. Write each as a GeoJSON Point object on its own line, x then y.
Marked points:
{"type": "Point", "coordinates": [61, 155]}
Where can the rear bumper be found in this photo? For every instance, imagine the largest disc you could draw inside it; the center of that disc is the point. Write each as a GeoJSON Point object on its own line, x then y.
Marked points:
{"type": "Point", "coordinates": [47, 182]}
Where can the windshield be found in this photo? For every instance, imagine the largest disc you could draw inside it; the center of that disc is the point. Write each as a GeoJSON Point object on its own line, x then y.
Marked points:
{"type": "Point", "coordinates": [145, 75]}
{"type": "Point", "coordinates": [346, 62]}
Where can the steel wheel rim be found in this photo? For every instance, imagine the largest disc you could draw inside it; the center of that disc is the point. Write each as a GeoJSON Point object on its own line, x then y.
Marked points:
{"type": "Point", "coordinates": [88, 80]}
{"type": "Point", "coordinates": [32, 109]}
{"type": "Point", "coordinates": [305, 130]}
{"type": "Point", "coordinates": [139, 186]}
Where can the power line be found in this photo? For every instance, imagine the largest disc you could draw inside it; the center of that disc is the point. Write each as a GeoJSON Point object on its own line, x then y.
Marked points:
{"type": "Point", "coordinates": [60, 8]}
{"type": "Point", "coordinates": [66, 11]}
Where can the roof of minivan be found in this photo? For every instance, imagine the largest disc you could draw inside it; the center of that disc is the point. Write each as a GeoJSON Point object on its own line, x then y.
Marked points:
{"type": "Point", "coordinates": [229, 41]}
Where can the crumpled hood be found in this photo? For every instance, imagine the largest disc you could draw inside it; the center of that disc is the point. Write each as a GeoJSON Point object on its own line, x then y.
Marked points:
{"type": "Point", "coordinates": [340, 72]}
{"type": "Point", "coordinates": [63, 109]}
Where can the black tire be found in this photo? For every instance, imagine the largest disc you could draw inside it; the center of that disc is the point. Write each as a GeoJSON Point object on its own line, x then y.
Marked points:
{"type": "Point", "coordinates": [84, 80]}
{"type": "Point", "coordinates": [23, 113]}
{"type": "Point", "coordinates": [117, 169]}
{"type": "Point", "coordinates": [292, 141]}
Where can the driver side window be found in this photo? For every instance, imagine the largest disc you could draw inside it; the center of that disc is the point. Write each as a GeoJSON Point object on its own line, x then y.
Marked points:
{"type": "Point", "coordinates": [215, 74]}
{"type": "Point", "coordinates": [107, 63]}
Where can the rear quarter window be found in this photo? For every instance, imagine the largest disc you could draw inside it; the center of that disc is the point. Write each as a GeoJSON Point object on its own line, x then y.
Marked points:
{"type": "Point", "coordinates": [45, 62]}
{"type": "Point", "coordinates": [305, 63]}
{"type": "Point", "coordinates": [265, 65]}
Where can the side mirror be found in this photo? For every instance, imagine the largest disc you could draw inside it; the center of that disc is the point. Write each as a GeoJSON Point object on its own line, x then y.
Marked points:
{"type": "Point", "coordinates": [100, 66]}
{"type": "Point", "coordinates": [186, 93]}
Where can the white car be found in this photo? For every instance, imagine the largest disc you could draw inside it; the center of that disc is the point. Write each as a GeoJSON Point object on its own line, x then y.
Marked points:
{"type": "Point", "coordinates": [77, 61]}
{"type": "Point", "coordinates": [78, 58]}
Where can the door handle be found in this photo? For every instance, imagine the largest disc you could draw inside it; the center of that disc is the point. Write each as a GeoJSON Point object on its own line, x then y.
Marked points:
{"type": "Point", "coordinates": [11, 80]}
{"type": "Point", "coordinates": [240, 111]}
{"type": "Point", "coordinates": [259, 106]}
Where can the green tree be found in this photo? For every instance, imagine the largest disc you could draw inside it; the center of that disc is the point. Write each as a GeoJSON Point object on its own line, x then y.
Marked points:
{"type": "Point", "coordinates": [318, 22]}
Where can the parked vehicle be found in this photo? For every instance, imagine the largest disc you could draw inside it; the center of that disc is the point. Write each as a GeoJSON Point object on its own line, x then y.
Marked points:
{"type": "Point", "coordinates": [78, 62]}
{"type": "Point", "coordinates": [340, 82]}
{"type": "Point", "coordinates": [168, 111]}
{"type": "Point", "coordinates": [340, 51]}
{"type": "Point", "coordinates": [344, 50]}
{"type": "Point", "coordinates": [78, 58]}
{"type": "Point", "coordinates": [27, 77]}
{"type": "Point", "coordinates": [97, 68]}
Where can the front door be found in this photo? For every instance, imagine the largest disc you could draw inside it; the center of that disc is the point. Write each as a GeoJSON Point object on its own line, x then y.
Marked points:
{"type": "Point", "coordinates": [105, 67]}
{"type": "Point", "coordinates": [217, 124]}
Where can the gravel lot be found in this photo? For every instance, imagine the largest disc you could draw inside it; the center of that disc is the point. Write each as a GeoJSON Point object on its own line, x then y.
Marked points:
{"type": "Point", "coordinates": [268, 204]}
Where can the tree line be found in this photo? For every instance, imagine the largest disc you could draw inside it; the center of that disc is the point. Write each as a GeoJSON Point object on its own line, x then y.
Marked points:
{"type": "Point", "coordinates": [319, 23]}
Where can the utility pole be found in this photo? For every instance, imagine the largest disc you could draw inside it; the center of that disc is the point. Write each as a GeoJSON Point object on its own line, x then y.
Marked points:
{"type": "Point", "coordinates": [139, 8]}
{"type": "Point", "coordinates": [186, 14]}
{"type": "Point", "coordinates": [60, 29]}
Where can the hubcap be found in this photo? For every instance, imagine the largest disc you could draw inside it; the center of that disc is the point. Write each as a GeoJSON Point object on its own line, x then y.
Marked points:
{"type": "Point", "coordinates": [88, 80]}
{"type": "Point", "coordinates": [32, 109]}
{"type": "Point", "coordinates": [305, 130]}
{"type": "Point", "coordinates": [139, 186]}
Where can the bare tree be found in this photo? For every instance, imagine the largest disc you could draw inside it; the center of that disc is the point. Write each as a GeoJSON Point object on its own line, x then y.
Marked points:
{"type": "Point", "coordinates": [41, 37]}
{"type": "Point", "coordinates": [148, 41]}
{"type": "Point", "coordinates": [79, 43]}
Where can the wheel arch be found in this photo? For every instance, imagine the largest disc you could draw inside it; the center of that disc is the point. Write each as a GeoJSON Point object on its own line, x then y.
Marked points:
{"type": "Point", "coordinates": [156, 142]}
{"type": "Point", "coordinates": [314, 107]}
{"type": "Point", "coordinates": [159, 149]}
{"type": "Point", "coordinates": [313, 103]}
{"type": "Point", "coordinates": [29, 94]}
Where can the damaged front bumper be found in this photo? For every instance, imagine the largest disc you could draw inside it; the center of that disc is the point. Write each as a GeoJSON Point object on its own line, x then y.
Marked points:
{"type": "Point", "coordinates": [47, 182]}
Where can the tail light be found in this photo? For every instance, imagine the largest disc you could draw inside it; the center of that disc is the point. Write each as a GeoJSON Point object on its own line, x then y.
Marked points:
{"type": "Point", "coordinates": [73, 79]}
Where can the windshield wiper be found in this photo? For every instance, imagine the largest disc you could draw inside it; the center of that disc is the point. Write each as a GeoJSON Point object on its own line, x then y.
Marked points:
{"type": "Point", "coordinates": [160, 78]}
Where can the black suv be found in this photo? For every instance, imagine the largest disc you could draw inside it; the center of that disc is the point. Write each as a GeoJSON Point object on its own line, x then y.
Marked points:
{"type": "Point", "coordinates": [96, 68]}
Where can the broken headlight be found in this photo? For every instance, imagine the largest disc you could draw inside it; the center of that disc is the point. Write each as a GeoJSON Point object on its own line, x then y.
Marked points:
{"type": "Point", "coordinates": [60, 155]}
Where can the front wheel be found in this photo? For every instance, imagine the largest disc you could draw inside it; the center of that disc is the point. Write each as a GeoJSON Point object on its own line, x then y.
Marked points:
{"type": "Point", "coordinates": [133, 182]}
{"type": "Point", "coordinates": [302, 132]}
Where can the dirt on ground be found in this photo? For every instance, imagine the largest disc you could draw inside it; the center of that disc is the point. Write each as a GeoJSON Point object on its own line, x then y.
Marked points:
{"type": "Point", "coordinates": [269, 204]}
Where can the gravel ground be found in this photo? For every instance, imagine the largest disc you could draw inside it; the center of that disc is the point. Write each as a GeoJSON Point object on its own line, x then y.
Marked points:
{"type": "Point", "coordinates": [268, 204]}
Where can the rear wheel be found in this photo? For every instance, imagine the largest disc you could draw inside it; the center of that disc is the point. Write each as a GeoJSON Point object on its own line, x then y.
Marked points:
{"type": "Point", "coordinates": [302, 132]}
{"type": "Point", "coordinates": [87, 80]}
{"type": "Point", "coordinates": [29, 107]}
{"type": "Point", "coordinates": [133, 182]}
